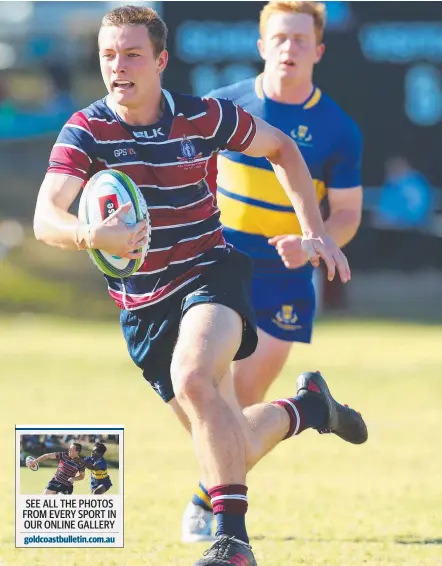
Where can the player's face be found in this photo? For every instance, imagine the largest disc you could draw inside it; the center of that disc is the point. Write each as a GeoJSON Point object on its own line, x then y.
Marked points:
{"type": "Point", "coordinates": [289, 47]}
{"type": "Point", "coordinates": [128, 63]}
{"type": "Point", "coordinates": [73, 453]}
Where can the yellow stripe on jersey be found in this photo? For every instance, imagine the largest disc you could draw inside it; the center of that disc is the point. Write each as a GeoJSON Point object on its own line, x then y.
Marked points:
{"type": "Point", "coordinates": [314, 99]}
{"type": "Point", "coordinates": [253, 182]}
{"type": "Point", "coordinates": [251, 204]}
{"type": "Point", "coordinates": [258, 87]}
{"type": "Point", "coordinates": [99, 474]}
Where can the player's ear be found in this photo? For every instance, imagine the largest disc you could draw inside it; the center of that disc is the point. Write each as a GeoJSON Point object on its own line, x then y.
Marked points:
{"type": "Point", "coordinates": [260, 44]}
{"type": "Point", "coordinates": [319, 52]}
{"type": "Point", "coordinates": [163, 57]}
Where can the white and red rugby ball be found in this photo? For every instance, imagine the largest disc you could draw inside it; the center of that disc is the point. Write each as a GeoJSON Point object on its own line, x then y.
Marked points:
{"type": "Point", "coordinates": [34, 465]}
{"type": "Point", "coordinates": [104, 193]}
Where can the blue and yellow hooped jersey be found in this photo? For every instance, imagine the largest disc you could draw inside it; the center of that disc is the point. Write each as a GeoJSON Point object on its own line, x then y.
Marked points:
{"type": "Point", "coordinates": [254, 205]}
{"type": "Point", "coordinates": [100, 476]}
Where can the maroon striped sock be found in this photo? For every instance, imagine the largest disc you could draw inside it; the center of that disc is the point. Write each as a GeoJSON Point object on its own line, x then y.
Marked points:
{"type": "Point", "coordinates": [229, 504]}
{"type": "Point", "coordinates": [229, 499]}
{"type": "Point", "coordinates": [295, 413]}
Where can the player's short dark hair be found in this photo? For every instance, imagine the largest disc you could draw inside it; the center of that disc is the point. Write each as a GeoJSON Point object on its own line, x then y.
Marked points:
{"type": "Point", "coordinates": [139, 16]}
{"type": "Point", "coordinates": [78, 446]}
{"type": "Point", "coordinates": [100, 447]}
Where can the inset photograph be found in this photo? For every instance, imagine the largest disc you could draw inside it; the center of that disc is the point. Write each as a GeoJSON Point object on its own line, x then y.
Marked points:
{"type": "Point", "coordinates": [72, 463]}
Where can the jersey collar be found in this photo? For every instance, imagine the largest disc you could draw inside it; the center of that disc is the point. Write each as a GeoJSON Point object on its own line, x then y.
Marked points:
{"type": "Point", "coordinates": [166, 117]}
{"type": "Point", "coordinates": [311, 101]}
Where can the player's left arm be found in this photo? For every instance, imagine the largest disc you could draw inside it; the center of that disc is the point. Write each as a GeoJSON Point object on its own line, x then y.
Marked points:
{"type": "Point", "coordinates": [294, 176]}
{"type": "Point", "coordinates": [78, 476]}
{"type": "Point", "coordinates": [237, 130]}
{"type": "Point", "coordinates": [292, 173]}
{"type": "Point", "coordinates": [86, 462]}
{"type": "Point", "coordinates": [345, 188]}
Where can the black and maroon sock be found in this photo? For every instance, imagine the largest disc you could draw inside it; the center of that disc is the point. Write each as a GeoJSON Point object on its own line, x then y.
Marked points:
{"type": "Point", "coordinates": [307, 410]}
{"type": "Point", "coordinates": [229, 504]}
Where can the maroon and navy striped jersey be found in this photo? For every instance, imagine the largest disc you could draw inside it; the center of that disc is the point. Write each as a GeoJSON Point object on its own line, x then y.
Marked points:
{"type": "Point", "coordinates": [169, 163]}
{"type": "Point", "coordinates": [67, 468]}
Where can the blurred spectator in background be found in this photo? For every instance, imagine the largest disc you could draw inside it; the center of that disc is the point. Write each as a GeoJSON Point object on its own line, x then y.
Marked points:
{"type": "Point", "coordinates": [39, 115]}
{"type": "Point", "coordinates": [22, 454]}
{"type": "Point", "coordinates": [7, 107]}
{"type": "Point", "coordinates": [402, 218]}
{"type": "Point", "coordinates": [50, 442]}
{"type": "Point", "coordinates": [32, 443]}
{"type": "Point", "coordinates": [59, 100]}
{"type": "Point", "coordinates": [406, 200]}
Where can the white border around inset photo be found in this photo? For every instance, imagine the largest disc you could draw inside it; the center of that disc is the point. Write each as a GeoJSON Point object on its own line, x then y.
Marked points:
{"type": "Point", "coordinates": [91, 520]}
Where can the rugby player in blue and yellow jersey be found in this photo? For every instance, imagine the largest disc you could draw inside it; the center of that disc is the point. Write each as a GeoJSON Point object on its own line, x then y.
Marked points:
{"type": "Point", "coordinates": [96, 463]}
{"type": "Point", "coordinates": [256, 212]}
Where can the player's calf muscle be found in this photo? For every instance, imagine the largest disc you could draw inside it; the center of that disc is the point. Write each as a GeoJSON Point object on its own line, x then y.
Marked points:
{"type": "Point", "coordinates": [254, 375]}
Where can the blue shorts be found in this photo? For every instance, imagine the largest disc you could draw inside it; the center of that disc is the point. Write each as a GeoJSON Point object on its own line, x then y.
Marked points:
{"type": "Point", "coordinates": [283, 299]}
{"type": "Point", "coordinates": [59, 487]}
{"type": "Point", "coordinates": [151, 333]}
{"type": "Point", "coordinates": [285, 307]}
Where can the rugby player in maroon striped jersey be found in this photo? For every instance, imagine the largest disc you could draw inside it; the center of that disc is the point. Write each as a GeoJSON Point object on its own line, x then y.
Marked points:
{"type": "Point", "coordinates": [68, 471]}
{"type": "Point", "coordinates": [187, 314]}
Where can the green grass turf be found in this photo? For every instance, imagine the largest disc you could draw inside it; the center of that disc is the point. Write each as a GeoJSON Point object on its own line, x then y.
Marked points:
{"type": "Point", "coordinates": [34, 483]}
{"type": "Point", "coordinates": [313, 501]}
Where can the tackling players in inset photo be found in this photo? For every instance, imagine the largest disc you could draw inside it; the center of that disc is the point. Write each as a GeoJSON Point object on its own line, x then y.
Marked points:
{"type": "Point", "coordinates": [96, 463]}
{"type": "Point", "coordinates": [69, 470]}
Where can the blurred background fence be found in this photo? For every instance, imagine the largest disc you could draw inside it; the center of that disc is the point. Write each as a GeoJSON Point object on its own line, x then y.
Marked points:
{"type": "Point", "coordinates": [383, 65]}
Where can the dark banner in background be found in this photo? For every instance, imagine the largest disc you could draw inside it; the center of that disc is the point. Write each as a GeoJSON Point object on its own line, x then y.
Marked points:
{"type": "Point", "coordinates": [382, 64]}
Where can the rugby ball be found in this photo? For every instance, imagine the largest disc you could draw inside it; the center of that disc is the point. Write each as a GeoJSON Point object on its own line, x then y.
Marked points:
{"type": "Point", "coordinates": [31, 459]}
{"type": "Point", "coordinates": [104, 193]}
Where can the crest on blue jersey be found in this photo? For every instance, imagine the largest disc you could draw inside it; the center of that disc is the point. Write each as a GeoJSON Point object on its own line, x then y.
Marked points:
{"type": "Point", "coordinates": [188, 150]}
{"type": "Point", "coordinates": [302, 136]}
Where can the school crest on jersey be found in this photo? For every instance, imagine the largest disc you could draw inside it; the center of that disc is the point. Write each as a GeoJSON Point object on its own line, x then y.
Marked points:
{"type": "Point", "coordinates": [188, 151]}
{"type": "Point", "coordinates": [286, 318]}
{"type": "Point", "coordinates": [302, 136]}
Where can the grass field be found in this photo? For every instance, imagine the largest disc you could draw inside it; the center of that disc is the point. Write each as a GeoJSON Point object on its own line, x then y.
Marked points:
{"type": "Point", "coordinates": [33, 483]}
{"type": "Point", "coordinates": [314, 501]}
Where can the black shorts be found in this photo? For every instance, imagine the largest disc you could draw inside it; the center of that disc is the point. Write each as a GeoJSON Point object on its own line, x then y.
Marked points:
{"type": "Point", "coordinates": [59, 487]}
{"type": "Point", "coordinates": [151, 333]}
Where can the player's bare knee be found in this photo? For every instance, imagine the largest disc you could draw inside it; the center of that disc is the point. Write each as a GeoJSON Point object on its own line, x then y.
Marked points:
{"type": "Point", "coordinates": [191, 386]}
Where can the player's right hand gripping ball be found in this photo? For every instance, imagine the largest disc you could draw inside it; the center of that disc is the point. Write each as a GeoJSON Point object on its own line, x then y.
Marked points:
{"type": "Point", "coordinates": [105, 192]}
